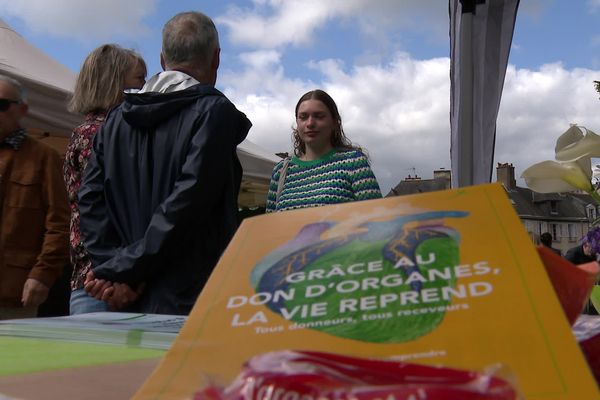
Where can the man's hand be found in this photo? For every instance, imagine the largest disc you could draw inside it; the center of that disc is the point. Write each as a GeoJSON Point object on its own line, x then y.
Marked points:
{"type": "Point", "coordinates": [95, 287]}
{"type": "Point", "coordinates": [34, 293]}
{"type": "Point", "coordinates": [120, 295]}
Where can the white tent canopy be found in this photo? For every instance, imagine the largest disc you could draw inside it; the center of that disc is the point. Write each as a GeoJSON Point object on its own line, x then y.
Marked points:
{"type": "Point", "coordinates": [47, 82]}
{"type": "Point", "coordinates": [49, 85]}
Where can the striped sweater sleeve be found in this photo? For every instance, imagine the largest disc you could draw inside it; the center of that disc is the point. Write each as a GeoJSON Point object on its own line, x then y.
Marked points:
{"type": "Point", "coordinates": [272, 194]}
{"type": "Point", "coordinates": [364, 183]}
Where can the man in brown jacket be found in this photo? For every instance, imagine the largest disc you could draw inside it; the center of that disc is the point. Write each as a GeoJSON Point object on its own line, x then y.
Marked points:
{"type": "Point", "coordinates": [34, 214]}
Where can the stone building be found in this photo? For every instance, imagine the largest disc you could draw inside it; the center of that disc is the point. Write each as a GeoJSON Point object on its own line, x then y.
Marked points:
{"type": "Point", "coordinates": [567, 216]}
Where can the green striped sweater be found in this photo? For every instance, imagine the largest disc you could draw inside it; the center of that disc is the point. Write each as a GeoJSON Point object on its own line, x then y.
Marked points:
{"type": "Point", "coordinates": [339, 176]}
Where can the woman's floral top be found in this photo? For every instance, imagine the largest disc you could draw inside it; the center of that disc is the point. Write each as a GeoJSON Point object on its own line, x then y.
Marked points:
{"type": "Point", "coordinates": [76, 158]}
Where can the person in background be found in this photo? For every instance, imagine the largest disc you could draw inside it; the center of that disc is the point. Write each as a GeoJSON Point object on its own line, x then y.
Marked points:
{"type": "Point", "coordinates": [585, 251]}
{"type": "Point", "coordinates": [34, 239]}
{"type": "Point", "coordinates": [326, 167]}
{"type": "Point", "coordinates": [546, 240]}
{"type": "Point", "coordinates": [158, 201]}
{"type": "Point", "coordinates": [106, 72]}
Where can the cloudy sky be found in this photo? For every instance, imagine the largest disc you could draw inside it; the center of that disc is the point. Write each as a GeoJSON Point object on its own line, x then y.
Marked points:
{"type": "Point", "coordinates": [385, 62]}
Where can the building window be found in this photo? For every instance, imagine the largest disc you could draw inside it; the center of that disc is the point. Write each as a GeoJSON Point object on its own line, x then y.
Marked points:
{"type": "Point", "coordinates": [555, 231]}
{"type": "Point", "coordinates": [591, 212]}
{"type": "Point", "coordinates": [572, 233]}
{"type": "Point", "coordinates": [553, 207]}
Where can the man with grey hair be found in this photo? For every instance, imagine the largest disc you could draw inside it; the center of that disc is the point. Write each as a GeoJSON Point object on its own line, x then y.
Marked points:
{"type": "Point", "coordinates": [158, 200]}
{"type": "Point", "coordinates": [34, 235]}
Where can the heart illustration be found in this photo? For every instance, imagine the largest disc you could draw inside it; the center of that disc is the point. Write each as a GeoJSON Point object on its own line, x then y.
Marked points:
{"type": "Point", "coordinates": [387, 282]}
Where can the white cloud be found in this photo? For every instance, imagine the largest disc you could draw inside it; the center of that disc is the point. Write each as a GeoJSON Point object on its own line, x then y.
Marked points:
{"type": "Point", "coordinates": [274, 23]}
{"type": "Point", "coordinates": [261, 58]}
{"type": "Point", "coordinates": [400, 111]}
{"type": "Point", "coordinates": [82, 20]}
{"type": "Point", "coordinates": [287, 22]}
{"type": "Point", "coordinates": [537, 106]}
{"type": "Point", "coordinates": [594, 4]}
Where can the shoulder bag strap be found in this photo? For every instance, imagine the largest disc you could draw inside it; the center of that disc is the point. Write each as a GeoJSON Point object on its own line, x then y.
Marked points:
{"type": "Point", "coordinates": [281, 181]}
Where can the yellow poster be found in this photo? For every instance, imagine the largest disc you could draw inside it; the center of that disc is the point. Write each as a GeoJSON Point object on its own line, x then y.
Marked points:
{"type": "Point", "coordinates": [446, 278]}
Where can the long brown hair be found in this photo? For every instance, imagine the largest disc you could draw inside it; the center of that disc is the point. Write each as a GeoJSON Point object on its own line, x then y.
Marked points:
{"type": "Point", "coordinates": [338, 138]}
{"type": "Point", "coordinates": [99, 85]}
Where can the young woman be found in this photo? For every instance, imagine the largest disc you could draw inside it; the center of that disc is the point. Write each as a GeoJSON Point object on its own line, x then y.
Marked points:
{"type": "Point", "coordinates": [326, 167]}
{"type": "Point", "coordinates": [105, 74]}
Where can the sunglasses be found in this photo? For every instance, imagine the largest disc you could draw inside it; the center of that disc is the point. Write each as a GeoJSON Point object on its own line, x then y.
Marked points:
{"type": "Point", "coordinates": [5, 104]}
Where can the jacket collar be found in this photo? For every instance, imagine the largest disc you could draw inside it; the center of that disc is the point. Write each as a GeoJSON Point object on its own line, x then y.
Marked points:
{"type": "Point", "coordinates": [15, 139]}
{"type": "Point", "coordinates": [169, 81]}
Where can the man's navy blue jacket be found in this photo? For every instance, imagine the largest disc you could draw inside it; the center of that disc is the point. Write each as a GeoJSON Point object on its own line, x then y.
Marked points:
{"type": "Point", "coordinates": [158, 201]}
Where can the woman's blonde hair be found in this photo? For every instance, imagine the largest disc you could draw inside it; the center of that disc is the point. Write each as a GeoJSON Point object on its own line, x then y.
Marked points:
{"type": "Point", "coordinates": [99, 85]}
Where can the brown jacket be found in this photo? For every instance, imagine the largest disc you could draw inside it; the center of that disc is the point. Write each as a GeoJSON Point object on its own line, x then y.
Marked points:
{"type": "Point", "coordinates": [34, 229]}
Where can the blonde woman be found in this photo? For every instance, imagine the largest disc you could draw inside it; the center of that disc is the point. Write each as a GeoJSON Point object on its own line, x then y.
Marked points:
{"type": "Point", "coordinates": [105, 74]}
